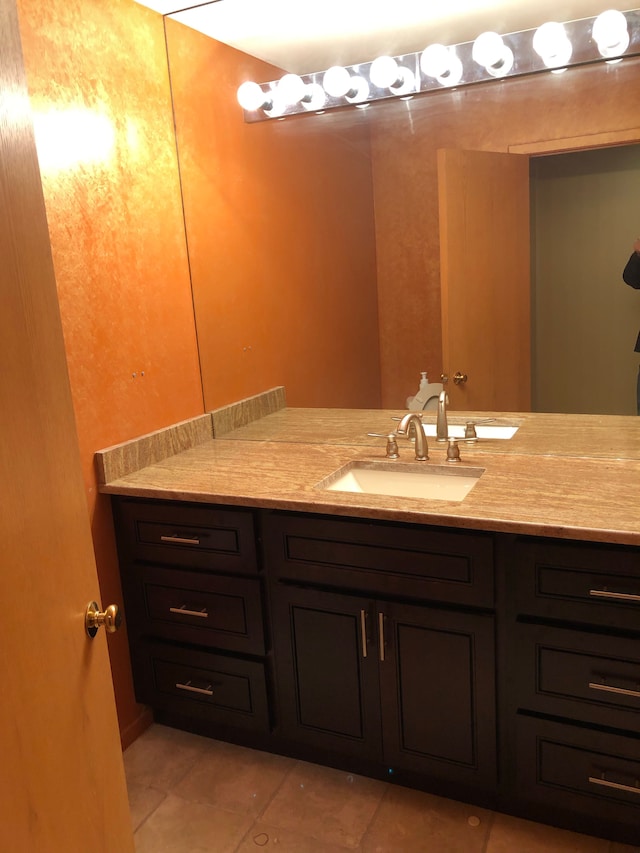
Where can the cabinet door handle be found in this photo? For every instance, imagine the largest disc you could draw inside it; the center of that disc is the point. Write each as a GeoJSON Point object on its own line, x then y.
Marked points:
{"type": "Point", "coordinates": [363, 632]}
{"type": "Point", "coordinates": [621, 691]}
{"type": "Point", "coordinates": [632, 789]}
{"type": "Point", "coordinates": [617, 596]}
{"type": "Point", "coordinates": [381, 635]}
{"type": "Point", "coordinates": [206, 691]}
{"type": "Point", "coordinates": [184, 611]}
{"type": "Point", "coordinates": [180, 540]}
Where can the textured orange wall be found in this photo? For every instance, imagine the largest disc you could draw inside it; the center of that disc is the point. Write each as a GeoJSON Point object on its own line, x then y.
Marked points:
{"type": "Point", "coordinates": [117, 239]}
{"type": "Point", "coordinates": [281, 238]}
{"type": "Point", "coordinates": [584, 102]}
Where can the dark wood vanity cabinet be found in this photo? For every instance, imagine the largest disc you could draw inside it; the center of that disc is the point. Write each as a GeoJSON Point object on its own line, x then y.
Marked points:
{"type": "Point", "coordinates": [498, 669]}
{"type": "Point", "coordinates": [574, 663]}
{"type": "Point", "coordinates": [194, 611]}
{"type": "Point", "coordinates": [362, 672]}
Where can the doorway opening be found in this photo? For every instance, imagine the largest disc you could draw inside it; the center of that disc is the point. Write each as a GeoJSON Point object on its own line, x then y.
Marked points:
{"type": "Point", "coordinates": [585, 215]}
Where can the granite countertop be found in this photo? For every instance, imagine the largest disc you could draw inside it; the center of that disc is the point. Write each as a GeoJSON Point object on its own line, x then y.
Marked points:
{"type": "Point", "coordinates": [568, 476]}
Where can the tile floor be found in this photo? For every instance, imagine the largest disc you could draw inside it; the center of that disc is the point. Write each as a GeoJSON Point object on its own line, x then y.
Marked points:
{"type": "Point", "coordinates": [190, 794]}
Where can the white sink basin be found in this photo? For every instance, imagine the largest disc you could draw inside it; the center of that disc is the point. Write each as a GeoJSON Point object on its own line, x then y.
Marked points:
{"type": "Point", "coordinates": [482, 430]}
{"type": "Point", "coordinates": [404, 480]}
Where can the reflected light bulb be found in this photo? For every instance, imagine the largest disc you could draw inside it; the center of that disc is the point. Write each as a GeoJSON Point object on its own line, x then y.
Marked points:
{"type": "Point", "coordinates": [611, 33]}
{"type": "Point", "coordinates": [384, 72]}
{"type": "Point", "coordinates": [441, 63]}
{"type": "Point", "coordinates": [359, 91]}
{"type": "Point", "coordinates": [490, 51]}
{"type": "Point", "coordinates": [315, 97]}
{"type": "Point", "coordinates": [291, 88]}
{"type": "Point", "coordinates": [551, 44]}
{"type": "Point", "coordinates": [337, 81]}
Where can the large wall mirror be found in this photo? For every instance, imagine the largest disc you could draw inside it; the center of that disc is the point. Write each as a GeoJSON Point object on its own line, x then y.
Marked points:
{"type": "Point", "coordinates": [320, 245]}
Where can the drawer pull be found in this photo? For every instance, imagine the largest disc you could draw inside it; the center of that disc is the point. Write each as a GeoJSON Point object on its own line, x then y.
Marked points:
{"type": "Point", "coordinates": [184, 611]}
{"type": "Point", "coordinates": [621, 691]}
{"type": "Point", "coordinates": [632, 789]}
{"type": "Point", "coordinates": [381, 635]}
{"type": "Point", "coordinates": [206, 691]}
{"type": "Point", "coordinates": [179, 540]}
{"type": "Point", "coordinates": [363, 632]}
{"type": "Point", "coordinates": [617, 596]}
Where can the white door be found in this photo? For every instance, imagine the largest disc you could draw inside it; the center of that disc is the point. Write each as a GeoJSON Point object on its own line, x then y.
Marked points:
{"type": "Point", "coordinates": [62, 786]}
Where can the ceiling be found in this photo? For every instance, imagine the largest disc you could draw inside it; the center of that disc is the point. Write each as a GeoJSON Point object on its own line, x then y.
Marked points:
{"type": "Point", "coordinates": [303, 37]}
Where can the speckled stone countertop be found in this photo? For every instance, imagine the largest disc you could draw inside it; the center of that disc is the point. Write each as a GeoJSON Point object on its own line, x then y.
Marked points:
{"type": "Point", "coordinates": [568, 476]}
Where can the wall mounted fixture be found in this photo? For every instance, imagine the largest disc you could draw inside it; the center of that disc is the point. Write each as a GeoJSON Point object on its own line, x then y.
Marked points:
{"type": "Point", "coordinates": [608, 37]}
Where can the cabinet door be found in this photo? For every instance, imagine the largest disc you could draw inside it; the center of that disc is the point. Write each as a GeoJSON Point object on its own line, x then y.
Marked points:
{"type": "Point", "coordinates": [327, 678]}
{"type": "Point", "coordinates": [437, 688]}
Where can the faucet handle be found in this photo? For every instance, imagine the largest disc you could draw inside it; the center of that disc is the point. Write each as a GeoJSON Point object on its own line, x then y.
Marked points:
{"type": "Point", "coordinates": [392, 444]}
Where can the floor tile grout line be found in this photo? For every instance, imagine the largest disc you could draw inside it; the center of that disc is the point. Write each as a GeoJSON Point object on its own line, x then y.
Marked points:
{"type": "Point", "coordinates": [259, 816]}
{"type": "Point", "coordinates": [492, 819]}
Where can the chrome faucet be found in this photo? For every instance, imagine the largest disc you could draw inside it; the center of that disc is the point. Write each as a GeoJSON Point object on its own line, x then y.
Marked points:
{"type": "Point", "coordinates": [442, 427]}
{"type": "Point", "coordinates": [422, 449]}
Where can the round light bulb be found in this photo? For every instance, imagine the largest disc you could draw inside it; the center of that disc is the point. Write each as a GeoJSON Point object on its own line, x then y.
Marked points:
{"type": "Point", "coordinates": [487, 49]}
{"type": "Point", "coordinates": [384, 72]}
{"type": "Point", "coordinates": [490, 51]}
{"type": "Point", "coordinates": [315, 97]}
{"type": "Point", "coordinates": [251, 97]}
{"type": "Point", "coordinates": [359, 91]}
{"type": "Point", "coordinates": [434, 60]}
{"type": "Point", "coordinates": [337, 81]}
{"type": "Point", "coordinates": [406, 82]}
{"type": "Point", "coordinates": [611, 33]}
{"type": "Point", "coordinates": [551, 44]}
{"type": "Point", "coordinates": [276, 103]}
{"type": "Point", "coordinates": [441, 63]}
{"type": "Point", "coordinates": [291, 88]}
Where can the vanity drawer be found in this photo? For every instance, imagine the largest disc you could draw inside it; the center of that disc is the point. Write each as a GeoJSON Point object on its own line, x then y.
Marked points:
{"type": "Point", "coordinates": [196, 607]}
{"type": "Point", "coordinates": [193, 535]}
{"type": "Point", "coordinates": [219, 689]}
{"type": "Point", "coordinates": [597, 584]}
{"type": "Point", "coordinates": [591, 677]}
{"type": "Point", "coordinates": [385, 558]}
{"type": "Point", "coordinates": [582, 772]}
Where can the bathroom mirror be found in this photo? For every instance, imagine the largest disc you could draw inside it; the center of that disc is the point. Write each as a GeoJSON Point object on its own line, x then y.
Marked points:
{"type": "Point", "coordinates": [314, 242]}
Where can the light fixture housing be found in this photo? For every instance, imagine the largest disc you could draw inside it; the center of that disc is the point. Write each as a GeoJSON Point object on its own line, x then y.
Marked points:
{"type": "Point", "coordinates": [492, 57]}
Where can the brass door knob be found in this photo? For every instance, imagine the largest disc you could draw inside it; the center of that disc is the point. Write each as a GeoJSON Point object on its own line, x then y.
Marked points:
{"type": "Point", "coordinates": [111, 618]}
{"type": "Point", "coordinates": [460, 378]}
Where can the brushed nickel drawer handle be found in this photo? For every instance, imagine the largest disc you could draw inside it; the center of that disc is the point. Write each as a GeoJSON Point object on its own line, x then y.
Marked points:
{"type": "Point", "coordinates": [179, 540]}
{"type": "Point", "coordinates": [206, 691]}
{"type": "Point", "coordinates": [622, 691]}
{"type": "Point", "coordinates": [632, 789]}
{"type": "Point", "coordinates": [617, 596]}
{"type": "Point", "coordinates": [184, 611]}
{"type": "Point", "coordinates": [363, 632]}
{"type": "Point", "coordinates": [381, 635]}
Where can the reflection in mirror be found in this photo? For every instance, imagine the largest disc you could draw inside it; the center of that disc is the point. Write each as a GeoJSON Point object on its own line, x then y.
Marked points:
{"type": "Point", "coordinates": [314, 242]}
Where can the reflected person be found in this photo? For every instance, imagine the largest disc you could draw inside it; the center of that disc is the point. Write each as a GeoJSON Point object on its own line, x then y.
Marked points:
{"type": "Point", "coordinates": [631, 276]}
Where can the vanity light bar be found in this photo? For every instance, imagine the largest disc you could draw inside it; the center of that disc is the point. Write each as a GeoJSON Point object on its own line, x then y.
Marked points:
{"type": "Point", "coordinates": [554, 47]}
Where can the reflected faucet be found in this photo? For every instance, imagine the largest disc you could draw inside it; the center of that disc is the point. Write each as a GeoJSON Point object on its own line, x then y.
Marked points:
{"type": "Point", "coordinates": [422, 449]}
{"type": "Point", "coordinates": [442, 427]}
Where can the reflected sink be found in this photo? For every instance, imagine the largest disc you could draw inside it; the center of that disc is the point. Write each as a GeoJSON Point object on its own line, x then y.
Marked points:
{"type": "Point", "coordinates": [448, 482]}
{"type": "Point", "coordinates": [482, 430]}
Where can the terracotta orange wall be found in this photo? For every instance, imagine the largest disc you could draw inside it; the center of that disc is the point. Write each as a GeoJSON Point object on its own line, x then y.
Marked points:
{"type": "Point", "coordinates": [583, 107]}
{"type": "Point", "coordinates": [118, 246]}
{"type": "Point", "coordinates": [281, 238]}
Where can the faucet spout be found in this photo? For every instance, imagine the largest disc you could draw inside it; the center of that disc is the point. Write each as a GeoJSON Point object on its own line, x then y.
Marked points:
{"type": "Point", "coordinates": [422, 450]}
{"type": "Point", "coordinates": [442, 426]}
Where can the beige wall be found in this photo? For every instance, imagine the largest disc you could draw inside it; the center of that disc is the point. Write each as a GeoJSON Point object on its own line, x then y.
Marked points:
{"type": "Point", "coordinates": [585, 216]}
